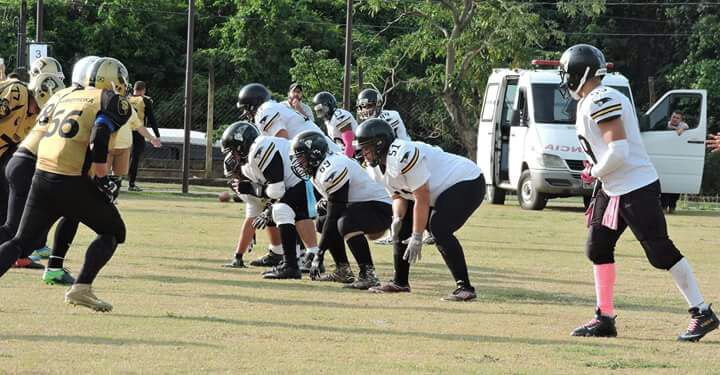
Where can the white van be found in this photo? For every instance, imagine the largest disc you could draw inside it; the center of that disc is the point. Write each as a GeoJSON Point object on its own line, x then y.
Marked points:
{"type": "Point", "coordinates": [527, 141]}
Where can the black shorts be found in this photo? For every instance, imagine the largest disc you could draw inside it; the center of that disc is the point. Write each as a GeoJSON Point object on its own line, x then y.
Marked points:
{"type": "Point", "coordinates": [296, 198]}
{"type": "Point", "coordinates": [75, 197]}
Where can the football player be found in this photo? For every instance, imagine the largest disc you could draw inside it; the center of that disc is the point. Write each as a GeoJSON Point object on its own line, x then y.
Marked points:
{"type": "Point", "coordinates": [18, 110]}
{"type": "Point", "coordinates": [276, 120]}
{"type": "Point", "coordinates": [143, 105]}
{"type": "Point", "coordinates": [356, 206]}
{"type": "Point", "coordinates": [628, 195]}
{"type": "Point", "coordinates": [340, 123]}
{"type": "Point", "coordinates": [431, 189]}
{"type": "Point", "coordinates": [79, 122]}
{"type": "Point", "coordinates": [265, 162]}
{"type": "Point", "coordinates": [370, 105]}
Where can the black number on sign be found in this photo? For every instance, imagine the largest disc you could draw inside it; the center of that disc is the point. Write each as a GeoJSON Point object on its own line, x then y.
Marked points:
{"type": "Point", "coordinates": [68, 127]}
{"type": "Point", "coordinates": [393, 150]}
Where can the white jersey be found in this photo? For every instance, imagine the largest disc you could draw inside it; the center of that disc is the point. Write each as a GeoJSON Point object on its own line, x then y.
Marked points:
{"type": "Point", "coordinates": [338, 123]}
{"type": "Point", "coordinates": [262, 152]}
{"type": "Point", "coordinates": [604, 103]}
{"type": "Point", "coordinates": [272, 117]}
{"type": "Point", "coordinates": [412, 164]}
{"type": "Point", "coordinates": [337, 170]}
{"type": "Point", "coordinates": [306, 110]}
{"type": "Point", "coordinates": [393, 118]}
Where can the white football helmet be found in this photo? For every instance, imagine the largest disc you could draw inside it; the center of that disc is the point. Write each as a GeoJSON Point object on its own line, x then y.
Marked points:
{"type": "Point", "coordinates": [44, 86]}
{"type": "Point", "coordinates": [47, 65]}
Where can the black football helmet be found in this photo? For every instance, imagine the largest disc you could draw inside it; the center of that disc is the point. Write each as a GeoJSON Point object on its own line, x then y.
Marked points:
{"type": "Point", "coordinates": [236, 141]}
{"type": "Point", "coordinates": [324, 104]}
{"type": "Point", "coordinates": [308, 150]}
{"type": "Point", "coordinates": [369, 104]}
{"type": "Point", "coordinates": [578, 64]}
{"type": "Point", "coordinates": [376, 134]}
{"type": "Point", "coordinates": [250, 98]}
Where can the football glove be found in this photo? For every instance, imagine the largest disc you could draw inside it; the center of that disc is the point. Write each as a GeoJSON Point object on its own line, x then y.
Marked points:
{"type": "Point", "coordinates": [414, 248]}
{"type": "Point", "coordinates": [321, 207]}
{"type": "Point", "coordinates": [262, 220]}
{"type": "Point", "coordinates": [317, 260]}
{"type": "Point", "coordinates": [108, 187]}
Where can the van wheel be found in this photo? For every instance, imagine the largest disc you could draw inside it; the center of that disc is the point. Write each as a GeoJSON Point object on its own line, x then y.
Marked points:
{"type": "Point", "coordinates": [528, 197]}
{"type": "Point", "coordinates": [495, 195]}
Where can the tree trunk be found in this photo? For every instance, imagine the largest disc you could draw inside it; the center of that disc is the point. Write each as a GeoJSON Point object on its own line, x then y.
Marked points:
{"type": "Point", "coordinates": [460, 122]}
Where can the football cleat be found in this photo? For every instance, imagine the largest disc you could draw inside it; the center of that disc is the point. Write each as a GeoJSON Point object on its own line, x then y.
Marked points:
{"type": "Point", "coordinates": [342, 274]}
{"type": "Point", "coordinates": [58, 277]}
{"type": "Point", "coordinates": [429, 239]}
{"type": "Point", "coordinates": [42, 253]}
{"type": "Point", "coordinates": [366, 279]}
{"type": "Point", "coordinates": [268, 260]}
{"type": "Point", "coordinates": [462, 293]}
{"type": "Point", "coordinates": [390, 287]}
{"type": "Point", "coordinates": [599, 326]}
{"type": "Point", "coordinates": [306, 263]}
{"type": "Point", "coordinates": [82, 295]}
{"type": "Point", "coordinates": [384, 241]}
{"type": "Point", "coordinates": [28, 263]}
{"type": "Point", "coordinates": [701, 323]}
{"type": "Point", "coordinates": [283, 272]}
{"type": "Point", "coordinates": [134, 188]}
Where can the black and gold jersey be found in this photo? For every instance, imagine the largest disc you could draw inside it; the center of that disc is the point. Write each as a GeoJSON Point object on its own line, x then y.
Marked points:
{"type": "Point", "coordinates": [69, 118]}
{"type": "Point", "coordinates": [138, 102]}
{"type": "Point", "coordinates": [15, 122]}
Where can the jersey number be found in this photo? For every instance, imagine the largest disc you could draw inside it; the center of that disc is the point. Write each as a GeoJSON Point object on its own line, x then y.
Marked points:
{"type": "Point", "coordinates": [393, 150]}
{"type": "Point", "coordinates": [68, 127]}
{"type": "Point", "coordinates": [323, 166]}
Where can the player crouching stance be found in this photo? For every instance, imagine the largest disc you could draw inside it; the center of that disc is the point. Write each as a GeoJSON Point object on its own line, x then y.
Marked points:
{"type": "Point", "coordinates": [265, 162]}
{"type": "Point", "coordinates": [629, 196]}
{"type": "Point", "coordinates": [79, 123]}
{"type": "Point", "coordinates": [356, 206]}
{"type": "Point", "coordinates": [431, 189]}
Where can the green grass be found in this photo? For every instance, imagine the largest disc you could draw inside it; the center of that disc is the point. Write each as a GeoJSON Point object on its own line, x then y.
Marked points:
{"type": "Point", "coordinates": [178, 311]}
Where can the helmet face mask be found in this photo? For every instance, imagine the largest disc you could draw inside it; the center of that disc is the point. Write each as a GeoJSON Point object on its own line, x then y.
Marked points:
{"type": "Point", "coordinates": [578, 65]}
{"type": "Point", "coordinates": [236, 142]}
{"type": "Point", "coordinates": [325, 104]}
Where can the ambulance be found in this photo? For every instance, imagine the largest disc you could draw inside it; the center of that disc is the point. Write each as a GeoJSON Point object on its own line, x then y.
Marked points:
{"type": "Point", "coordinates": [527, 142]}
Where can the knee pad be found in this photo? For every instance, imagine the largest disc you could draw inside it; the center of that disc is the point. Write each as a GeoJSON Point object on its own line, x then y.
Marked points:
{"type": "Point", "coordinates": [661, 253]}
{"type": "Point", "coordinates": [600, 253]}
{"type": "Point", "coordinates": [283, 214]}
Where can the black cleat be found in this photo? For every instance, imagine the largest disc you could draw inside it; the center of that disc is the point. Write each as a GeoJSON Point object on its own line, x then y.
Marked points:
{"type": "Point", "coordinates": [343, 274]}
{"type": "Point", "coordinates": [280, 273]}
{"type": "Point", "coordinates": [390, 287]}
{"type": "Point", "coordinates": [366, 279]}
{"type": "Point", "coordinates": [701, 323]}
{"type": "Point", "coordinates": [600, 326]}
{"type": "Point", "coordinates": [268, 260]}
{"type": "Point", "coordinates": [237, 262]}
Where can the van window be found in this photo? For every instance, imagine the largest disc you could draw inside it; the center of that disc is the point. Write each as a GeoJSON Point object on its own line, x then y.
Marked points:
{"type": "Point", "coordinates": [552, 108]}
{"type": "Point", "coordinates": [508, 101]}
{"type": "Point", "coordinates": [685, 107]}
{"type": "Point", "coordinates": [489, 103]}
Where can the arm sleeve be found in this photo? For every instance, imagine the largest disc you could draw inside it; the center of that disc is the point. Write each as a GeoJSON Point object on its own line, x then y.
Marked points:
{"type": "Point", "coordinates": [348, 136]}
{"type": "Point", "coordinates": [100, 138]}
{"type": "Point", "coordinates": [150, 116]}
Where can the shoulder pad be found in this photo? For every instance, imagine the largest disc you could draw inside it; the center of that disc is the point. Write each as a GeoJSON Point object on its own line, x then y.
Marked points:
{"type": "Point", "coordinates": [334, 175]}
{"type": "Point", "coordinates": [604, 104]}
{"type": "Point", "coordinates": [261, 152]}
{"type": "Point", "coordinates": [267, 114]}
{"type": "Point", "coordinates": [403, 156]}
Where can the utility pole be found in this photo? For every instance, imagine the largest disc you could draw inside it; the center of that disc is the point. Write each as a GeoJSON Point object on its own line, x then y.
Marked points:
{"type": "Point", "coordinates": [39, 22]}
{"type": "Point", "coordinates": [188, 96]}
{"type": "Point", "coordinates": [22, 29]}
{"type": "Point", "coordinates": [348, 55]}
{"type": "Point", "coordinates": [210, 126]}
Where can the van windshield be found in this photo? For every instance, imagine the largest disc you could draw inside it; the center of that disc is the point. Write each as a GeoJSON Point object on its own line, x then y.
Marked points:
{"type": "Point", "coordinates": [552, 108]}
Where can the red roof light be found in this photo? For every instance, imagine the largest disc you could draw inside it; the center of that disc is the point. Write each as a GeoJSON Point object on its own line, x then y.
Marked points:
{"type": "Point", "coordinates": [545, 62]}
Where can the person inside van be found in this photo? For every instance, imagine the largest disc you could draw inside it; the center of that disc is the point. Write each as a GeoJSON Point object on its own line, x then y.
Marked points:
{"type": "Point", "coordinates": [676, 123]}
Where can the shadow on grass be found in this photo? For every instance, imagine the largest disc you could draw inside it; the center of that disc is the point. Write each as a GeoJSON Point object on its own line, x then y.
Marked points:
{"type": "Point", "coordinates": [93, 340]}
{"type": "Point", "coordinates": [379, 332]}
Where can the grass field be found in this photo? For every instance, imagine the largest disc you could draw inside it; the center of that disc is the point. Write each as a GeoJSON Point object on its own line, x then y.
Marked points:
{"type": "Point", "coordinates": [177, 311]}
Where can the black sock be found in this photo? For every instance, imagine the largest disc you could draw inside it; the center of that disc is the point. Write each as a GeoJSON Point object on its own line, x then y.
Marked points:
{"type": "Point", "coordinates": [288, 236]}
{"type": "Point", "coordinates": [360, 249]}
{"type": "Point", "coordinates": [9, 252]}
{"type": "Point", "coordinates": [64, 235]}
{"type": "Point", "coordinates": [454, 257]}
{"type": "Point", "coordinates": [402, 267]}
{"type": "Point", "coordinates": [98, 254]}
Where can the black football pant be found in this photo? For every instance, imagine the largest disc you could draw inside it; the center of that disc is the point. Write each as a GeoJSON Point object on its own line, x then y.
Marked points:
{"type": "Point", "coordinates": [366, 217]}
{"type": "Point", "coordinates": [53, 196]}
{"type": "Point", "coordinates": [640, 210]}
{"type": "Point", "coordinates": [4, 184]}
{"type": "Point", "coordinates": [138, 147]}
{"type": "Point", "coordinates": [452, 209]}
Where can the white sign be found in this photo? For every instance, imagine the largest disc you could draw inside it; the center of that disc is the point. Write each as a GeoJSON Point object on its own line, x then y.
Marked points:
{"type": "Point", "coordinates": [36, 51]}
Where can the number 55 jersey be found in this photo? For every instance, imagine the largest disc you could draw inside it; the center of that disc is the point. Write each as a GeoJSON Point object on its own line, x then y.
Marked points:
{"type": "Point", "coordinates": [69, 120]}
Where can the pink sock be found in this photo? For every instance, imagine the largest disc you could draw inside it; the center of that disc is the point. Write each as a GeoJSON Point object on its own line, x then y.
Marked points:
{"type": "Point", "coordinates": [604, 287]}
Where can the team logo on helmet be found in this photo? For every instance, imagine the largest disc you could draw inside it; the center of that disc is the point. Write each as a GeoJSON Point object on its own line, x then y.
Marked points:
{"type": "Point", "coordinates": [124, 107]}
{"type": "Point", "coordinates": [4, 108]}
